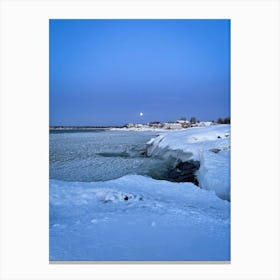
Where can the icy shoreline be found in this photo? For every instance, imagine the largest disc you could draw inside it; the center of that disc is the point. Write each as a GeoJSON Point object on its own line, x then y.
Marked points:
{"type": "Point", "coordinates": [208, 145]}
{"type": "Point", "coordinates": [137, 218]}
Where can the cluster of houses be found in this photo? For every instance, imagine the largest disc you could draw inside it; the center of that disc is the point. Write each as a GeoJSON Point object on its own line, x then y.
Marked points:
{"type": "Point", "coordinates": [179, 124]}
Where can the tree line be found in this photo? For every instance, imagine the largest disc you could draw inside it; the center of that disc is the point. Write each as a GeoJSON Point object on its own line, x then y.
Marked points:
{"type": "Point", "coordinates": [193, 120]}
{"type": "Point", "coordinates": [223, 121]}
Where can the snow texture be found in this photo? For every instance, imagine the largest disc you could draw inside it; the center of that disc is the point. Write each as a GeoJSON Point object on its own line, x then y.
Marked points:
{"type": "Point", "coordinates": [209, 145]}
{"type": "Point", "coordinates": [137, 218]}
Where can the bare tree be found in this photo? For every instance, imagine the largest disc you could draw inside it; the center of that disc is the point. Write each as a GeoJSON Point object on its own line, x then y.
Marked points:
{"type": "Point", "coordinates": [193, 120]}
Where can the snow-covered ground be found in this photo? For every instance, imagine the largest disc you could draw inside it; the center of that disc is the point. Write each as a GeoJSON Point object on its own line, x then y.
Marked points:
{"type": "Point", "coordinates": [146, 128]}
{"type": "Point", "coordinates": [137, 218]}
{"type": "Point", "coordinates": [209, 145]}
{"type": "Point", "coordinates": [166, 126]}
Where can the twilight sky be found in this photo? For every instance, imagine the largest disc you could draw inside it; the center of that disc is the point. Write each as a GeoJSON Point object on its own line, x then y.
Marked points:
{"type": "Point", "coordinates": [105, 72]}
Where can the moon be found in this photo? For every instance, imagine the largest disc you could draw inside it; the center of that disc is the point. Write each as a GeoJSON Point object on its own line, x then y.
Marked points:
{"type": "Point", "coordinates": [141, 114]}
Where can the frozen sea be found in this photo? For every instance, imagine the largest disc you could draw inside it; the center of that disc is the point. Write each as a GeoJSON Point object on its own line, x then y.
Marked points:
{"type": "Point", "coordinates": [108, 204]}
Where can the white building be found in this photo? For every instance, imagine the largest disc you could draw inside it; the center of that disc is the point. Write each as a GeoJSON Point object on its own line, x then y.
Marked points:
{"type": "Point", "coordinates": [183, 121]}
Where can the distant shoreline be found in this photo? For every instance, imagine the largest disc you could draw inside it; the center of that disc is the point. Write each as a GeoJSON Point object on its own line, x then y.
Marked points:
{"type": "Point", "coordinates": [179, 124]}
{"type": "Point", "coordinates": [81, 127]}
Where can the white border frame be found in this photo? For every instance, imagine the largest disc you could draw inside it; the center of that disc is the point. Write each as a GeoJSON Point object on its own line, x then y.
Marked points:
{"type": "Point", "coordinates": [255, 137]}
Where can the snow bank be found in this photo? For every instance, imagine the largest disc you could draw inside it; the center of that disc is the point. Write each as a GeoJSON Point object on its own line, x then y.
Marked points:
{"type": "Point", "coordinates": [137, 218]}
{"type": "Point", "coordinates": [138, 129]}
{"type": "Point", "coordinates": [210, 145]}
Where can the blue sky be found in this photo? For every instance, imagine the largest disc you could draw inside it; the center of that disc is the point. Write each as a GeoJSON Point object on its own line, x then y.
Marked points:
{"type": "Point", "coordinates": [105, 72]}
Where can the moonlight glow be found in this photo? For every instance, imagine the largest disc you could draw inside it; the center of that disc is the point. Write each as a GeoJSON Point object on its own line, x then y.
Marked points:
{"type": "Point", "coordinates": [141, 114]}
